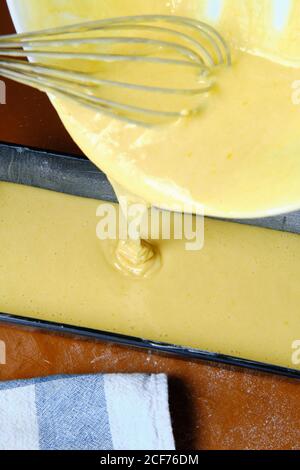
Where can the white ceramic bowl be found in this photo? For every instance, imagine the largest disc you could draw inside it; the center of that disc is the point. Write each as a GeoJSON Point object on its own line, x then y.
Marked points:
{"type": "Point", "coordinates": [25, 19]}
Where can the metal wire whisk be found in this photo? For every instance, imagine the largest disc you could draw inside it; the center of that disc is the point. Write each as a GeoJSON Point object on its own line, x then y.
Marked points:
{"type": "Point", "coordinates": [142, 69]}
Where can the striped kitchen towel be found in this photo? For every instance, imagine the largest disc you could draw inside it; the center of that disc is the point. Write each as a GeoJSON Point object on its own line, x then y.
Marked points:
{"type": "Point", "coordinates": [88, 412]}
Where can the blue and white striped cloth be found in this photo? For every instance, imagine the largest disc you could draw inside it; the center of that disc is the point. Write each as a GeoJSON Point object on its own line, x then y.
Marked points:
{"type": "Point", "coordinates": [89, 412]}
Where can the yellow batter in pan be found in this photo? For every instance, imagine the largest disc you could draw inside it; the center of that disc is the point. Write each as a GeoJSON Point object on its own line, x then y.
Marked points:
{"type": "Point", "coordinates": [240, 295]}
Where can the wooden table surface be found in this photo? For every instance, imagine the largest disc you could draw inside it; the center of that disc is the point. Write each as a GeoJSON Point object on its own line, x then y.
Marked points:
{"type": "Point", "coordinates": [212, 407]}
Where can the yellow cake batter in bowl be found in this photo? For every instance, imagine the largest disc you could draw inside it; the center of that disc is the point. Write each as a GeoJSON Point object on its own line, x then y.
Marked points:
{"type": "Point", "coordinates": [240, 156]}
